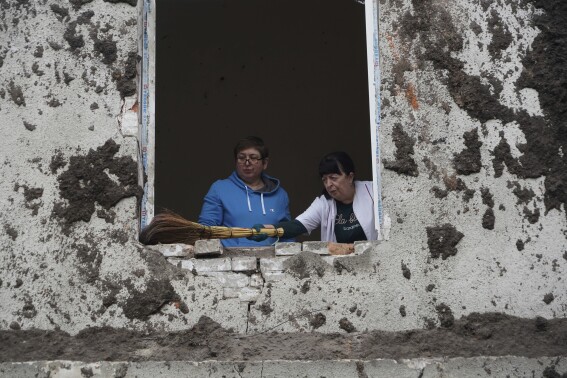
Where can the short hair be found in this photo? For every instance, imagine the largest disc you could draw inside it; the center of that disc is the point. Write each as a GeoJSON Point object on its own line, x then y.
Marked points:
{"type": "Point", "coordinates": [336, 162]}
{"type": "Point", "coordinates": [251, 142]}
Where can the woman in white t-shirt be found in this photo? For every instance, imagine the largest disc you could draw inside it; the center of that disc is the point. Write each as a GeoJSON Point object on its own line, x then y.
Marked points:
{"type": "Point", "coordinates": [345, 210]}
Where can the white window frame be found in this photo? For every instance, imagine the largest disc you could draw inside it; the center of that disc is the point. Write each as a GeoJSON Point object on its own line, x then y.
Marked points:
{"type": "Point", "coordinates": [146, 97]}
{"type": "Point", "coordinates": [147, 93]}
{"type": "Point", "coordinates": [371, 10]}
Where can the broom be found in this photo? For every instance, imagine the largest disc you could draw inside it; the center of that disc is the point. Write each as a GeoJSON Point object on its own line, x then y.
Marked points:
{"type": "Point", "coordinates": [170, 228]}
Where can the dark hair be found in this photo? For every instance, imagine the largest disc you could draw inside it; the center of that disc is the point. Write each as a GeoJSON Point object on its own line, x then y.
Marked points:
{"type": "Point", "coordinates": [336, 162]}
{"type": "Point", "coordinates": [251, 142]}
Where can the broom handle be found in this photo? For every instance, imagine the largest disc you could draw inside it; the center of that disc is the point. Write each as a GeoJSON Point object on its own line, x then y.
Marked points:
{"type": "Point", "coordinates": [271, 232]}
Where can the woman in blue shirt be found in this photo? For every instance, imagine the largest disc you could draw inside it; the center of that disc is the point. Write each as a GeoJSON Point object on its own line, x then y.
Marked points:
{"type": "Point", "coordinates": [247, 196]}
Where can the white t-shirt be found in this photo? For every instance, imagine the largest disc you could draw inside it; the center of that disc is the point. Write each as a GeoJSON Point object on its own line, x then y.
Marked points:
{"type": "Point", "coordinates": [323, 211]}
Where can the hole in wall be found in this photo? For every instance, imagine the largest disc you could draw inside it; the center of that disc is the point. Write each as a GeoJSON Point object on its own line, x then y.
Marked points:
{"type": "Point", "coordinates": [292, 72]}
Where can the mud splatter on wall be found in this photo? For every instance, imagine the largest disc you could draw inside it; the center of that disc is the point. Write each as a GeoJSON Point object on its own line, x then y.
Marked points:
{"type": "Point", "coordinates": [473, 140]}
{"type": "Point", "coordinates": [489, 122]}
{"type": "Point", "coordinates": [89, 180]}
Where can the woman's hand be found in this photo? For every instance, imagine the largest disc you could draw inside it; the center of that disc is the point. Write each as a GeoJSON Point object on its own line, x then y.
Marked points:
{"type": "Point", "coordinates": [260, 236]}
{"type": "Point", "coordinates": [340, 248]}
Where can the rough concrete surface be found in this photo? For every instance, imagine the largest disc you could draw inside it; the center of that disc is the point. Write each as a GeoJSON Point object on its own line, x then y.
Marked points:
{"type": "Point", "coordinates": [473, 143]}
{"type": "Point", "coordinates": [468, 64]}
{"type": "Point", "coordinates": [406, 368]}
{"type": "Point", "coordinates": [474, 335]}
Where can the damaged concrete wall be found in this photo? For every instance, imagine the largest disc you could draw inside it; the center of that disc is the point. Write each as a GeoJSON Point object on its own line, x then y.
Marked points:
{"type": "Point", "coordinates": [473, 135]}
{"type": "Point", "coordinates": [69, 177]}
{"type": "Point", "coordinates": [473, 138]}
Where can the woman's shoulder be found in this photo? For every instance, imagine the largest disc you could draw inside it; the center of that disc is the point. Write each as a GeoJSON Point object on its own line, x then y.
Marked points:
{"type": "Point", "coordinates": [322, 200]}
{"type": "Point", "coordinates": [313, 214]}
{"type": "Point", "coordinates": [366, 186]}
{"type": "Point", "coordinates": [225, 183]}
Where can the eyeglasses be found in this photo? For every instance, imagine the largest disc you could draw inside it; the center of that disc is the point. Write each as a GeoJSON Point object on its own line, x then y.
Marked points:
{"type": "Point", "coordinates": [252, 159]}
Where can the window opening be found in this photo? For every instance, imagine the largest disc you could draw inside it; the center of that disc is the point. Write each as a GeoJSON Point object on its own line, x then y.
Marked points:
{"type": "Point", "coordinates": [296, 73]}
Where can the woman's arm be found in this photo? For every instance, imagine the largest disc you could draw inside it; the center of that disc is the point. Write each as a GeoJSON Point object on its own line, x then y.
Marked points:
{"type": "Point", "coordinates": [309, 220]}
{"type": "Point", "coordinates": [292, 228]}
{"type": "Point", "coordinates": [312, 217]}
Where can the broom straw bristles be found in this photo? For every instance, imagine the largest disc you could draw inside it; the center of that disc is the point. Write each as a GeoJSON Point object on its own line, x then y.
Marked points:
{"type": "Point", "coordinates": [171, 228]}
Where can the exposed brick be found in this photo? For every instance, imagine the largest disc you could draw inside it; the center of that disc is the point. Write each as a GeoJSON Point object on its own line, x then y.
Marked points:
{"type": "Point", "coordinates": [173, 250]}
{"type": "Point", "coordinates": [175, 261]}
{"type": "Point", "coordinates": [244, 264]}
{"type": "Point", "coordinates": [318, 247]}
{"type": "Point", "coordinates": [361, 246]}
{"type": "Point", "coordinates": [249, 294]}
{"type": "Point", "coordinates": [230, 279]}
{"type": "Point", "coordinates": [273, 276]}
{"type": "Point", "coordinates": [188, 264]}
{"type": "Point", "coordinates": [244, 294]}
{"type": "Point", "coordinates": [287, 248]}
{"type": "Point", "coordinates": [230, 292]}
{"type": "Point", "coordinates": [208, 265]}
{"type": "Point", "coordinates": [212, 247]}
{"type": "Point", "coordinates": [272, 264]}
{"type": "Point", "coordinates": [256, 280]}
